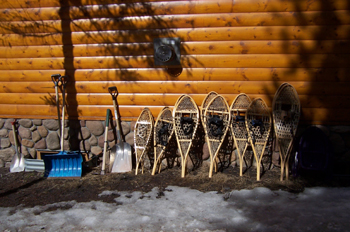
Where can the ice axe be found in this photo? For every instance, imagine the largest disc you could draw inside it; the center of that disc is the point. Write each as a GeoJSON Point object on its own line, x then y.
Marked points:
{"type": "Point", "coordinates": [120, 157]}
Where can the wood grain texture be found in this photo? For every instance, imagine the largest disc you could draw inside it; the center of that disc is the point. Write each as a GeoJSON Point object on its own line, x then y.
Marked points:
{"type": "Point", "coordinates": [190, 61]}
{"type": "Point", "coordinates": [188, 74]}
{"type": "Point", "coordinates": [206, 6]}
{"type": "Point", "coordinates": [178, 21]}
{"type": "Point", "coordinates": [73, 112]}
{"type": "Point", "coordinates": [231, 47]}
{"type": "Point", "coordinates": [179, 87]}
{"type": "Point", "coordinates": [135, 99]}
{"type": "Point", "coordinates": [193, 48]}
{"type": "Point", "coordinates": [332, 32]}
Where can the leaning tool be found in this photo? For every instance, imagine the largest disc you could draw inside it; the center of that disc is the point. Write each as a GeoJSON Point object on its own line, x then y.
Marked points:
{"type": "Point", "coordinates": [105, 143]}
{"type": "Point", "coordinates": [286, 115]}
{"type": "Point", "coordinates": [17, 162]}
{"type": "Point", "coordinates": [216, 123]}
{"type": "Point", "coordinates": [63, 164]}
{"type": "Point", "coordinates": [142, 137]}
{"type": "Point", "coordinates": [186, 120]}
{"type": "Point", "coordinates": [258, 122]}
{"type": "Point", "coordinates": [238, 111]}
{"type": "Point", "coordinates": [121, 152]}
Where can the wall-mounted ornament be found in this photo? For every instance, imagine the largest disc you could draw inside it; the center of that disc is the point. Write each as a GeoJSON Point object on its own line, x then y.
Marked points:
{"type": "Point", "coordinates": [167, 52]}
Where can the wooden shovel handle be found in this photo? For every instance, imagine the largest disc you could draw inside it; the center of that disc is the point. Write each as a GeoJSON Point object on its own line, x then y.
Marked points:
{"type": "Point", "coordinates": [64, 80]}
{"type": "Point", "coordinates": [113, 91]}
{"type": "Point", "coordinates": [56, 78]}
{"type": "Point", "coordinates": [105, 144]}
{"type": "Point", "coordinates": [15, 134]}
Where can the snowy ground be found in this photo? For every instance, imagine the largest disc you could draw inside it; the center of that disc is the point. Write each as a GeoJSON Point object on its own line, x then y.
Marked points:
{"type": "Point", "coordinates": [183, 209]}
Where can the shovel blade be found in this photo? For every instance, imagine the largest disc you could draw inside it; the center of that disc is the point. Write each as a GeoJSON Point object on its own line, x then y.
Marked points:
{"type": "Point", "coordinates": [122, 161]}
{"type": "Point", "coordinates": [17, 163]}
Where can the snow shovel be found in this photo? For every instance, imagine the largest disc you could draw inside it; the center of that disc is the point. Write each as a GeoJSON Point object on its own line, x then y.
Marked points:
{"type": "Point", "coordinates": [17, 162]}
{"type": "Point", "coordinates": [121, 152]}
{"type": "Point", "coordinates": [63, 164]}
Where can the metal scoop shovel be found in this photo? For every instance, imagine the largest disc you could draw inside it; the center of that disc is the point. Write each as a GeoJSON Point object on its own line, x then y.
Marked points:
{"type": "Point", "coordinates": [120, 157]}
{"type": "Point", "coordinates": [17, 163]}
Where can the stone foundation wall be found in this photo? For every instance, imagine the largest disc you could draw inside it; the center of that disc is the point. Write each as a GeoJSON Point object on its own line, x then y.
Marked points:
{"type": "Point", "coordinates": [88, 136]}
{"type": "Point", "coordinates": [36, 134]}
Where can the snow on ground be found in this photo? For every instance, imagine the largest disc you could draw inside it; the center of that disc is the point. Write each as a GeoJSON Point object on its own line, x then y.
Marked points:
{"type": "Point", "coordinates": [183, 209]}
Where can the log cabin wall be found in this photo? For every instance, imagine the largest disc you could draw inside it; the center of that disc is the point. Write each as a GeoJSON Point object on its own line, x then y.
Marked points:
{"type": "Point", "coordinates": [231, 47]}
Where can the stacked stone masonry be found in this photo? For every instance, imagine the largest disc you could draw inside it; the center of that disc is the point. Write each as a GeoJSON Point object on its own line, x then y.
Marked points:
{"type": "Point", "coordinates": [88, 137]}
{"type": "Point", "coordinates": [33, 135]}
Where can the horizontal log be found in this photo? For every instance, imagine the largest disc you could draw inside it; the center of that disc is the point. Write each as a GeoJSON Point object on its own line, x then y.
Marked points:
{"type": "Point", "coordinates": [309, 115]}
{"type": "Point", "coordinates": [267, 47]}
{"type": "Point", "coordinates": [186, 34]}
{"type": "Point", "coordinates": [187, 74]}
{"type": "Point", "coordinates": [81, 50]}
{"type": "Point", "coordinates": [58, 3]}
{"type": "Point", "coordinates": [179, 87]}
{"type": "Point", "coordinates": [178, 21]}
{"type": "Point", "coordinates": [191, 61]}
{"type": "Point", "coordinates": [187, 48]}
{"type": "Point", "coordinates": [307, 101]}
{"type": "Point", "coordinates": [267, 61]}
{"type": "Point", "coordinates": [303, 88]}
{"type": "Point", "coordinates": [206, 6]}
{"type": "Point", "coordinates": [72, 112]}
{"type": "Point", "coordinates": [208, 20]}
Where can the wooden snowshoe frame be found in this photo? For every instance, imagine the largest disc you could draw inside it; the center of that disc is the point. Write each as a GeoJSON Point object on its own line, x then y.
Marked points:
{"type": "Point", "coordinates": [238, 111]}
{"type": "Point", "coordinates": [286, 115]}
{"type": "Point", "coordinates": [216, 123]}
{"type": "Point", "coordinates": [142, 136]}
{"type": "Point", "coordinates": [186, 119]}
{"type": "Point", "coordinates": [205, 103]}
{"type": "Point", "coordinates": [258, 122]}
{"type": "Point", "coordinates": [163, 132]}
{"type": "Point", "coordinates": [203, 107]}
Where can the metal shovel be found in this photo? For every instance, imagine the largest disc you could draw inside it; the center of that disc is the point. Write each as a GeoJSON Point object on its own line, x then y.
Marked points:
{"type": "Point", "coordinates": [121, 153]}
{"type": "Point", "coordinates": [17, 162]}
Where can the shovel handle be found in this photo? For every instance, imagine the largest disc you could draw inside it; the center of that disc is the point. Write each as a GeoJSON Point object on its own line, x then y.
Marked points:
{"type": "Point", "coordinates": [15, 134]}
{"type": "Point", "coordinates": [107, 117]}
{"type": "Point", "coordinates": [55, 78]}
{"type": "Point", "coordinates": [105, 144]}
{"type": "Point", "coordinates": [14, 122]}
{"type": "Point", "coordinates": [64, 80]}
{"type": "Point", "coordinates": [113, 91]}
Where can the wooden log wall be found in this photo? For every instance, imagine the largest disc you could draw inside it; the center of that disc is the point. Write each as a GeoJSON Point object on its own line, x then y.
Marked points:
{"type": "Point", "coordinates": [231, 47]}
